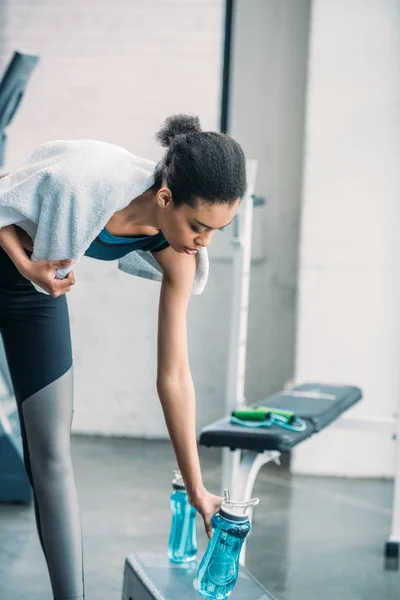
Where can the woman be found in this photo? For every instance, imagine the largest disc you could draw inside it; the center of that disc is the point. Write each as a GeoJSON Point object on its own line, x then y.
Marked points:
{"type": "Point", "coordinates": [194, 191]}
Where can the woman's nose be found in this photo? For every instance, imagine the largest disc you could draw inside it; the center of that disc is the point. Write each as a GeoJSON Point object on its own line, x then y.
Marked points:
{"type": "Point", "coordinates": [204, 239]}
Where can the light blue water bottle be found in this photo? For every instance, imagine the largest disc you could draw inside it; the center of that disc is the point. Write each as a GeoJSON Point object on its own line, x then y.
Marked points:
{"type": "Point", "coordinates": [219, 567]}
{"type": "Point", "coordinates": [182, 545]}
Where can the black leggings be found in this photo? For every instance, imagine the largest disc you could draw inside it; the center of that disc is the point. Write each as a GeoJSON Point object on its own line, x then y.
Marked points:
{"type": "Point", "coordinates": [37, 342]}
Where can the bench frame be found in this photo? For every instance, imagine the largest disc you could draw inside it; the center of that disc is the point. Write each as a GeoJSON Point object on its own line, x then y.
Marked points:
{"type": "Point", "coordinates": [247, 466]}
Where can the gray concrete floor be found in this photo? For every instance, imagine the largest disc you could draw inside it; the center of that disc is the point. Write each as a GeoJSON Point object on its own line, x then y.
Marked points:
{"type": "Point", "coordinates": [312, 538]}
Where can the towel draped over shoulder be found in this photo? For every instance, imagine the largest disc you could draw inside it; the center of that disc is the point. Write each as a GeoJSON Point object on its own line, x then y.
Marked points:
{"type": "Point", "coordinates": [67, 191]}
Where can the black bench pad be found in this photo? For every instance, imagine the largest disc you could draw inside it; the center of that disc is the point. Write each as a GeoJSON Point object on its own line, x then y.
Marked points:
{"type": "Point", "coordinates": [317, 404]}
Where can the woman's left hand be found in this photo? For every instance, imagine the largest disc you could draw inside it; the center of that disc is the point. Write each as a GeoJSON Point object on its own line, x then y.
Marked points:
{"type": "Point", "coordinates": [207, 505]}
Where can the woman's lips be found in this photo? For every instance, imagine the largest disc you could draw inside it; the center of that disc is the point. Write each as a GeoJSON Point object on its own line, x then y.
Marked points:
{"type": "Point", "coordinates": [189, 250]}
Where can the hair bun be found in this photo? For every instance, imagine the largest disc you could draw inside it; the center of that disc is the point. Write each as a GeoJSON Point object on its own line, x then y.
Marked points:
{"type": "Point", "coordinates": [177, 125]}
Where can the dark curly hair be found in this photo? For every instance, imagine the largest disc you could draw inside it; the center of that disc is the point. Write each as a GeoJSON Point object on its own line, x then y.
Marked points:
{"type": "Point", "coordinates": [199, 164]}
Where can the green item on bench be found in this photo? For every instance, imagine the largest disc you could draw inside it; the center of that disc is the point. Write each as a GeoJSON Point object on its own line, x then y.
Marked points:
{"type": "Point", "coordinates": [267, 416]}
{"type": "Point", "coordinates": [262, 413]}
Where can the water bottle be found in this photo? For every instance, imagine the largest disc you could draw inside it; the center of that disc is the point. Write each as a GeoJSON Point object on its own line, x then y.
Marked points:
{"type": "Point", "coordinates": [219, 568]}
{"type": "Point", "coordinates": [182, 545]}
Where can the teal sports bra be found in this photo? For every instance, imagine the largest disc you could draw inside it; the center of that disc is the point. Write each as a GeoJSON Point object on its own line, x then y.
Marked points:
{"type": "Point", "coordinates": [112, 247]}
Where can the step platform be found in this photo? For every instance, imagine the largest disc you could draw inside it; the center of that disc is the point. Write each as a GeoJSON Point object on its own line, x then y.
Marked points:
{"type": "Point", "coordinates": [149, 576]}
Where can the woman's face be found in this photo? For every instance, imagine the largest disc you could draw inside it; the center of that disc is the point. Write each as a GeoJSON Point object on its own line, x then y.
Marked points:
{"type": "Point", "coordinates": [187, 229]}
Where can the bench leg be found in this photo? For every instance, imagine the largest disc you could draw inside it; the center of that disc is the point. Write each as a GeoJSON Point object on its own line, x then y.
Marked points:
{"type": "Point", "coordinates": [231, 460]}
{"type": "Point", "coordinates": [245, 477]}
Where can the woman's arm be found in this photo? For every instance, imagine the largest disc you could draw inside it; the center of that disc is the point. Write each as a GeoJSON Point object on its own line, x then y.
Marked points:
{"type": "Point", "coordinates": [174, 381]}
{"type": "Point", "coordinates": [40, 272]}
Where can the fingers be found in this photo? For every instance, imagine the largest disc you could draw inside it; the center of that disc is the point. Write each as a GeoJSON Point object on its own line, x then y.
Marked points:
{"type": "Point", "coordinates": [56, 293]}
{"type": "Point", "coordinates": [61, 286]}
{"type": "Point", "coordinates": [71, 278]}
{"type": "Point", "coordinates": [207, 527]}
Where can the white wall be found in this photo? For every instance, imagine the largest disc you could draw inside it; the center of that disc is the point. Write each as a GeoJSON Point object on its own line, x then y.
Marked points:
{"type": "Point", "coordinates": [349, 323]}
{"type": "Point", "coordinates": [113, 72]}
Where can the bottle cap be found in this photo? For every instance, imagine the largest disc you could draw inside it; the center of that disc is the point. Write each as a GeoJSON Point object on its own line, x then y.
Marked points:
{"type": "Point", "coordinates": [177, 481]}
{"type": "Point", "coordinates": [236, 511]}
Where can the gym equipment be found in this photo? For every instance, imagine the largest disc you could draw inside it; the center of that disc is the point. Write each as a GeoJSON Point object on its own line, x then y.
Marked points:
{"type": "Point", "coordinates": [12, 88]}
{"type": "Point", "coordinates": [263, 413]}
{"type": "Point", "coordinates": [317, 406]}
{"type": "Point", "coordinates": [265, 416]}
{"type": "Point", "coordinates": [150, 576]}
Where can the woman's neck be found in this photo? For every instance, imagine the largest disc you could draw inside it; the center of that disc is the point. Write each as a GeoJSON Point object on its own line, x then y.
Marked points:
{"type": "Point", "coordinates": [139, 217]}
{"type": "Point", "coordinates": [143, 210]}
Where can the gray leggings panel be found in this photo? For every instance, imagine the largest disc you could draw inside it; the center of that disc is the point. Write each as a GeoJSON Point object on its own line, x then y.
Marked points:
{"type": "Point", "coordinates": [47, 417]}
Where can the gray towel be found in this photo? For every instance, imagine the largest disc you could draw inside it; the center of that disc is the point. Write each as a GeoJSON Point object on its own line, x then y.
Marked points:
{"type": "Point", "coordinates": [68, 190]}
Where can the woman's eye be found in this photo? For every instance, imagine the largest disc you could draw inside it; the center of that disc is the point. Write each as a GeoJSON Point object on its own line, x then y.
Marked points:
{"type": "Point", "coordinates": [193, 228]}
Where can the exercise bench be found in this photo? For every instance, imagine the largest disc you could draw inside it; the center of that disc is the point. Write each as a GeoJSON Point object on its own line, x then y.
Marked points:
{"type": "Point", "coordinates": [316, 404]}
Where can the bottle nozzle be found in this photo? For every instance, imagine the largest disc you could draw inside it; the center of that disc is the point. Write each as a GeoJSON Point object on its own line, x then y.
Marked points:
{"type": "Point", "coordinates": [177, 480]}
{"type": "Point", "coordinates": [251, 502]}
{"type": "Point", "coordinates": [232, 507]}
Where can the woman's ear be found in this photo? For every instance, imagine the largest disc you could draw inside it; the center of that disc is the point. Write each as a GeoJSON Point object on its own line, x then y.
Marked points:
{"type": "Point", "coordinates": [164, 198]}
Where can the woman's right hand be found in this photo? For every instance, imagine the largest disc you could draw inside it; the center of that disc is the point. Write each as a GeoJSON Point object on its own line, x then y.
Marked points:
{"type": "Point", "coordinates": [43, 273]}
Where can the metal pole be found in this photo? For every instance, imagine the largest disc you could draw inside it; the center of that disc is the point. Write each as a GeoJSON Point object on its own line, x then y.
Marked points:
{"type": "Point", "coordinates": [241, 240]}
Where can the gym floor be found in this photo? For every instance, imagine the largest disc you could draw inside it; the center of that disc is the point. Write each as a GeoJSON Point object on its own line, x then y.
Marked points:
{"type": "Point", "coordinates": [312, 538]}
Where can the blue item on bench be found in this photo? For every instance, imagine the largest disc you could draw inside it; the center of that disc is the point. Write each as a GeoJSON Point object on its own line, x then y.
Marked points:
{"type": "Point", "coordinates": [149, 576]}
{"type": "Point", "coordinates": [296, 424]}
{"type": "Point", "coordinates": [316, 404]}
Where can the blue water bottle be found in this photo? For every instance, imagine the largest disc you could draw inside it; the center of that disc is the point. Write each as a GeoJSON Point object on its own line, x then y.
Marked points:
{"type": "Point", "coordinates": [182, 545]}
{"type": "Point", "coordinates": [219, 568]}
